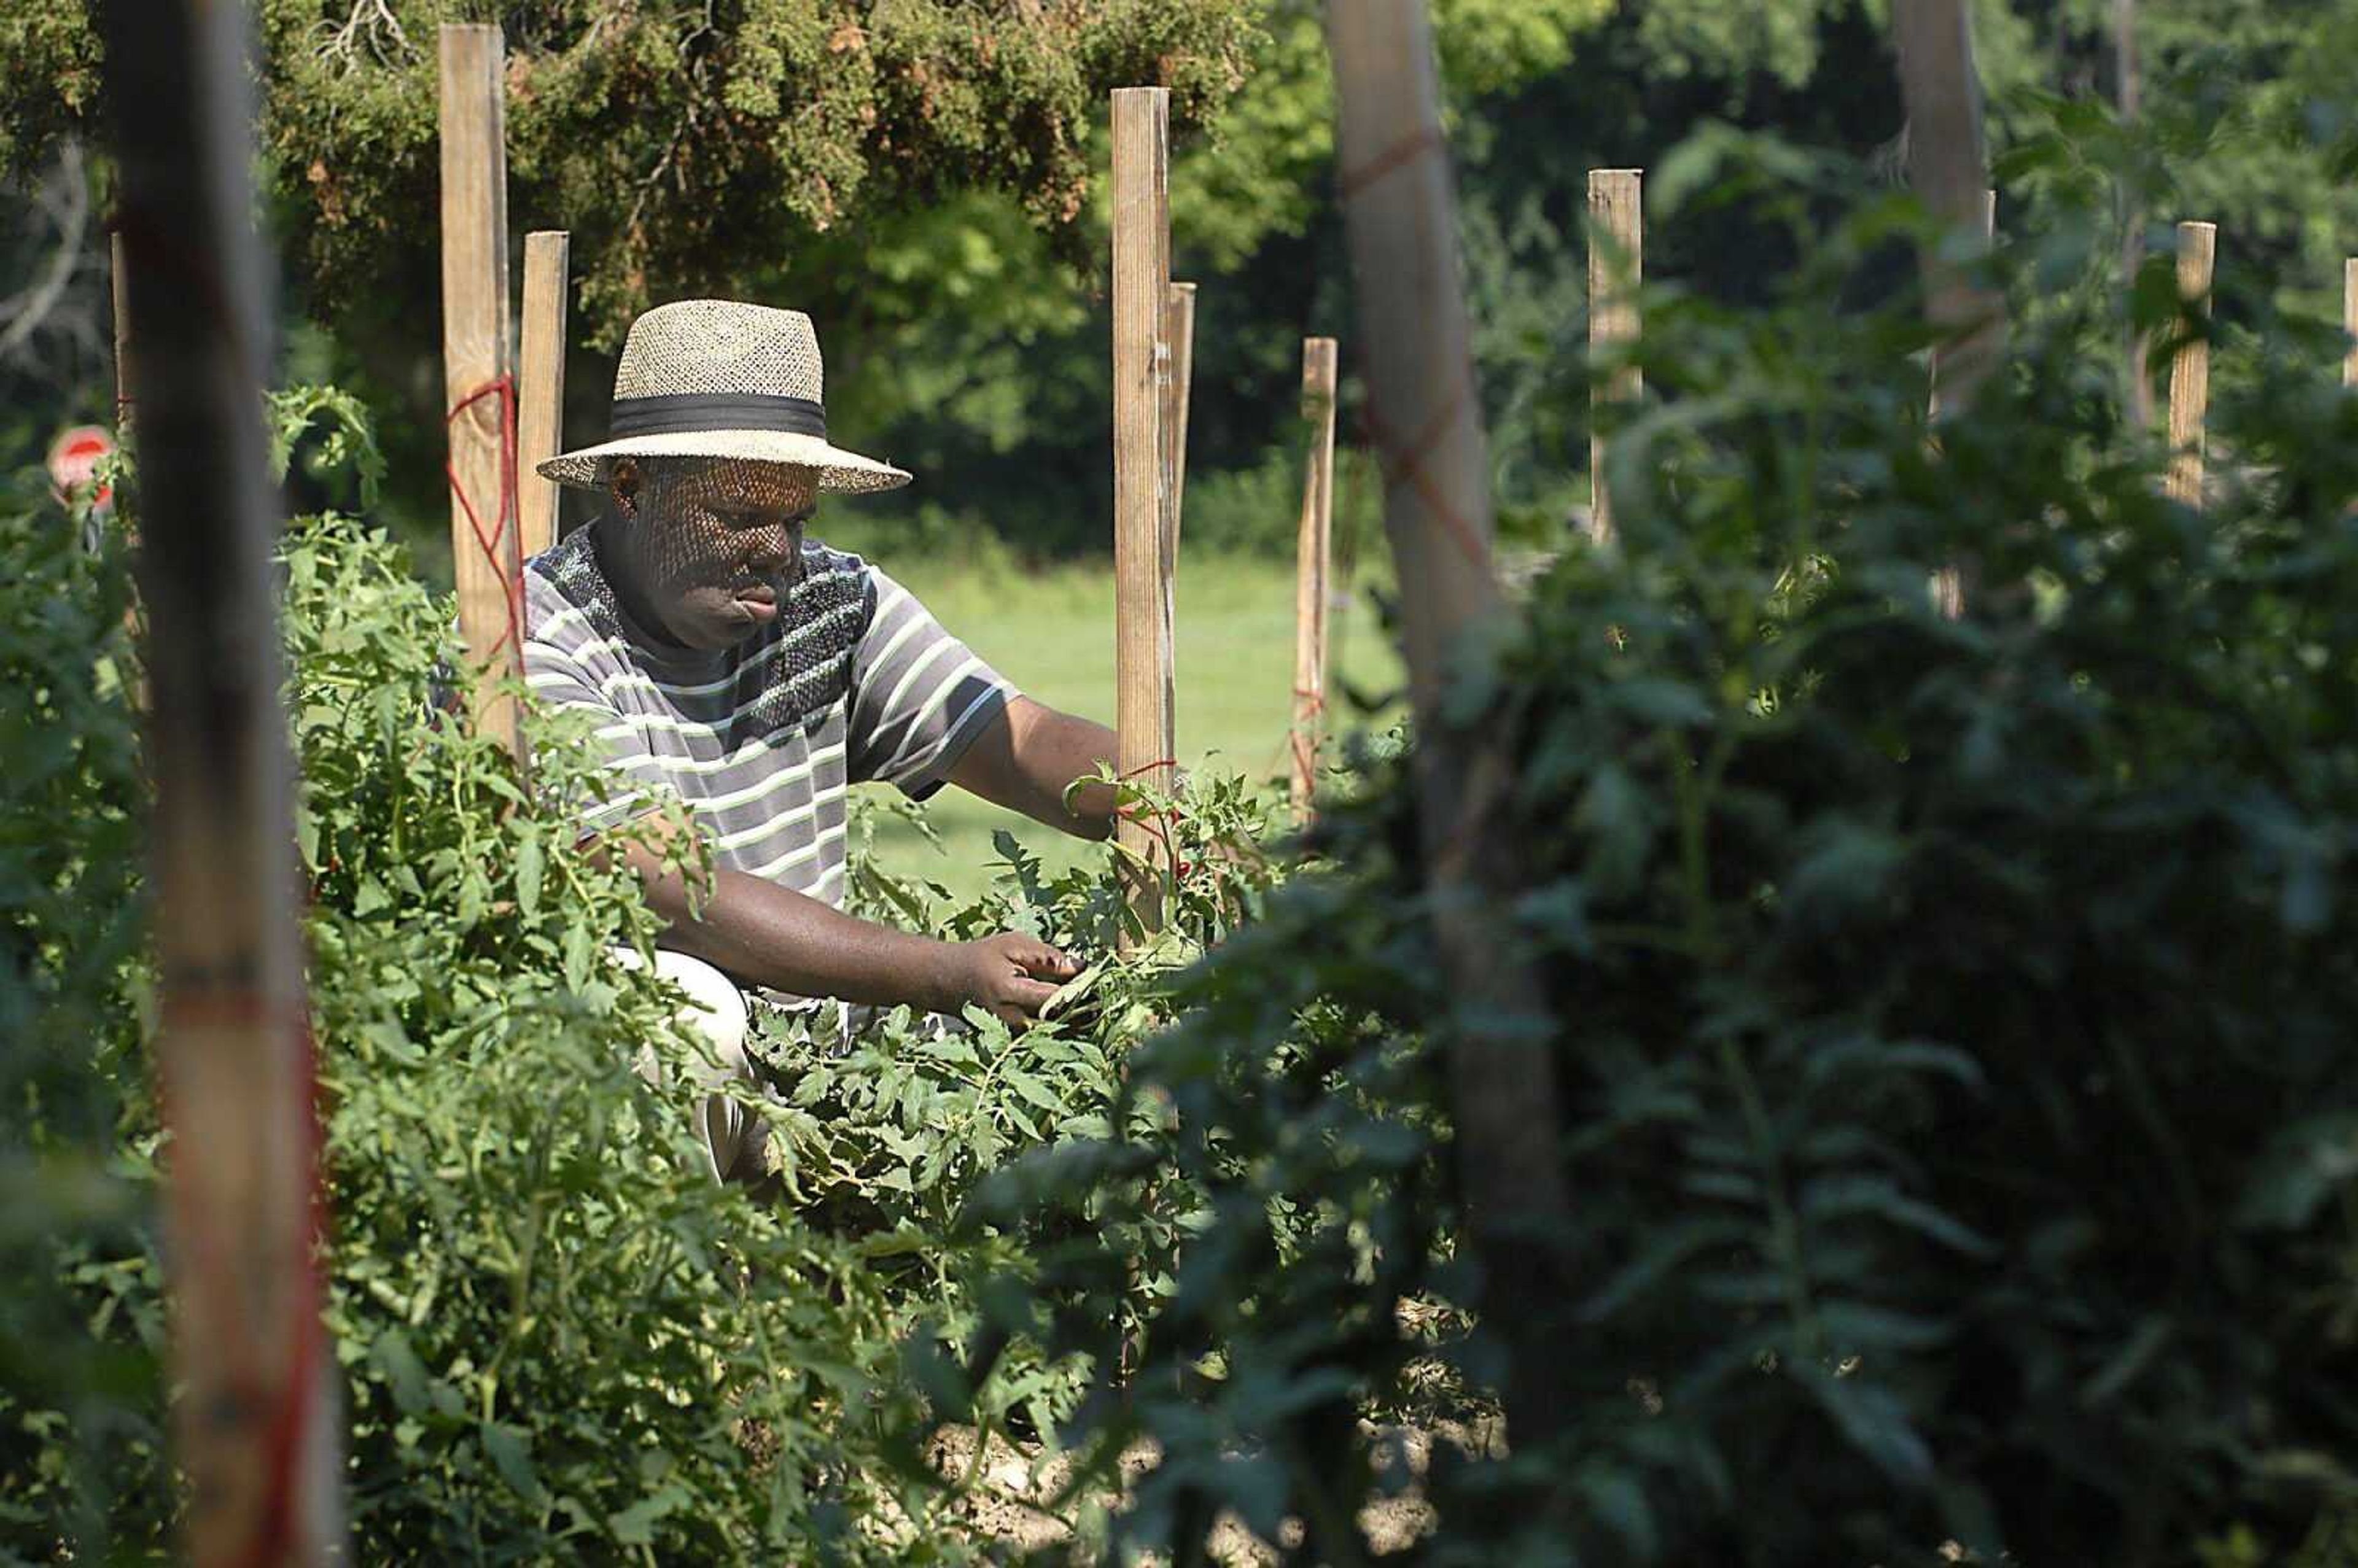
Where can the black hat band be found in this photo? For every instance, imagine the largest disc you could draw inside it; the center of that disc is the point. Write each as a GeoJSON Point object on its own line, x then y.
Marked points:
{"type": "Point", "coordinates": [694, 413]}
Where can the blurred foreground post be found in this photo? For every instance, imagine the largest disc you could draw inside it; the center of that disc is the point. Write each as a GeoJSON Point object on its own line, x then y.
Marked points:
{"type": "Point", "coordinates": [2128, 90]}
{"type": "Point", "coordinates": [2190, 370]}
{"type": "Point", "coordinates": [1947, 166]}
{"type": "Point", "coordinates": [250, 1354]}
{"type": "Point", "coordinates": [1949, 171]}
{"type": "Point", "coordinates": [1314, 550]}
{"type": "Point", "coordinates": [1400, 212]}
{"type": "Point", "coordinates": [1141, 285]}
{"type": "Point", "coordinates": [1617, 268]}
{"type": "Point", "coordinates": [479, 391]}
{"type": "Point", "coordinates": [540, 388]}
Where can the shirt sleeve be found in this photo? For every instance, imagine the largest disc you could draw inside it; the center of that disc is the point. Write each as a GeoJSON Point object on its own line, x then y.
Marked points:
{"type": "Point", "coordinates": [919, 697]}
{"type": "Point", "coordinates": [631, 773]}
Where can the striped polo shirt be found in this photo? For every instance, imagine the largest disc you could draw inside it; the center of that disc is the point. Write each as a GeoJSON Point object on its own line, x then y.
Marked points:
{"type": "Point", "coordinates": [852, 681]}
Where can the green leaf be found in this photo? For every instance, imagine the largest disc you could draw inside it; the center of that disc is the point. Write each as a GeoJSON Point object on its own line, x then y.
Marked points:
{"type": "Point", "coordinates": [529, 866]}
{"type": "Point", "coordinates": [511, 1451]}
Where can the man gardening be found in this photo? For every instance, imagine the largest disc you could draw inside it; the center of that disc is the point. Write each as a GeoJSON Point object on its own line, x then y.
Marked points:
{"type": "Point", "coordinates": [753, 674]}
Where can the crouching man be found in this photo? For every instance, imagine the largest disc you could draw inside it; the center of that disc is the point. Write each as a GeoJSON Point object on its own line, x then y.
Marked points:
{"type": "Point", "coordinates": [753, 674]}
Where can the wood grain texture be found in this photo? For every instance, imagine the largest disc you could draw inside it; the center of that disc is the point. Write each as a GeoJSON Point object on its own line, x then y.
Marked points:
{"type": "Point", "coordinates": [255, 1379]}
{"type": "Point", "coordinates": [1313, 555]}
{"type": "Point", "coordinates": [484, 551]}
{"type": "Point", "coordinates": [1399, 218]}
{"type": "Point", "coordinates": [2190, 370]}
{"type": "Point", "coordinates": [1179, 334]}
{"type": "Point", "coordinates": [1948, 166]}
{"type": "Point", "coordinates": [1617, 267]}
{"type": "Point", "coordinates": [1142, 282]}
{"type": "Point", "coordinates": [119, 281]}
{"type": "Point", "coordinates": [2350, 320]}
{"type": "Point", "coordinates": [540, 387]}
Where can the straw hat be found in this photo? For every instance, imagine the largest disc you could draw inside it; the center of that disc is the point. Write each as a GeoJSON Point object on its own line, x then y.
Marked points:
{"type": "Point", "coordinates": [712, 378]}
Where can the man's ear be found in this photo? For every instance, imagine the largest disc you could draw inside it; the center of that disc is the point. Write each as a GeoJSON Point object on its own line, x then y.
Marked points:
{"type": "Point", "coordinates": [622, 484]}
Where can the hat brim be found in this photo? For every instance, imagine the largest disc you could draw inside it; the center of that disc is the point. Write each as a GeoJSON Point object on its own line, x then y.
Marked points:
{"type": "Point", "coordinates": [841, 472]}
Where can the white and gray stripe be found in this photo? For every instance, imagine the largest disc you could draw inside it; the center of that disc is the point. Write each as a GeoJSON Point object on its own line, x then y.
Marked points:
{"type": "Point", "coordinates": [883, 693]}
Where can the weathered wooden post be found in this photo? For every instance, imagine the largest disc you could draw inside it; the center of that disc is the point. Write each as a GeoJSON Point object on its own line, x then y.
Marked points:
{"type": "Point", "coordinates": [255, 1395]}
{"type": "Point", "coordinates": [479, 387]}
{"type": "Point", "coordinates": [1946, 163]}
{"type": "Point", "coordinates": [540, 388]}
{"type": "Point", "coordinates": [1399, 211]}
{"type": "Point", "coordinates": [2350, 320]}
{"type": "Point", "coordinates": [1949, 171]}
{"type": "Point", "coordinates": [2190, 371]}
{"type": "Point", "coordinates": [1313, 551]}
{"type": "Point", "coordinates": [1141, 285]}
{"type": "Point", "coordinates": [1179, 334]}
{"type": "Point", "coordinates": [119, 281]}
{"type": "Point", "coordinates": [1617, 268]}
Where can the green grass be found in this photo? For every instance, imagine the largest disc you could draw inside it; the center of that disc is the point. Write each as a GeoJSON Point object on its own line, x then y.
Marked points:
{"type": "Point", "coordinates": [1051, 632]}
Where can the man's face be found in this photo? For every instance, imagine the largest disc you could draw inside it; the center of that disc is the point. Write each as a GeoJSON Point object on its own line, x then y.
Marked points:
{"type": "Point", "coordinates": [711, 545]}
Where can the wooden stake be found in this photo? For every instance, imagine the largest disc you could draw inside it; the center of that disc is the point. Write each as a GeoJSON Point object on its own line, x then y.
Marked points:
{"type": "Point", "coordinates": [1179, 330]}
{"type": "Point", "coordinates": [2350, 320]}
{"type": "Point", "coordinates": [119, 279]}
{"type": "Point", "coordinates": [1399, 213]}
{"type": "Point", "coordinates": [540, 388]}
{"type": "Point", "coordinates": [1179, 333]}
{"type": "Point", "coordinates": [1142, 285]}
{"type": "Point", "coordinates": [484, 548]}
{"type": "Point", "coordinates": [254, 1382]}
{"type": "Point", "coordinates": [1616, 266]}
{"type": "Point", "coordinates": [2190, 371]}
{"type": "Point", "coordinates": [1313, 551]}
{"type": "Point", "coordinates": [1946, 165]}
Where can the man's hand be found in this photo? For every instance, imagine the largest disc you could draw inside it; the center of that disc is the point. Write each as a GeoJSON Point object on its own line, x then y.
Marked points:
{"type": "Point", "coordinates": [1010, 976]}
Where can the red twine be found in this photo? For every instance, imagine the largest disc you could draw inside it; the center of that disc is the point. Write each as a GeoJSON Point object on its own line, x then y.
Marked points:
{"type": "Point", "coordinates": [506, 529]}
{"type": "Point", "coordinates": [277, 1530]}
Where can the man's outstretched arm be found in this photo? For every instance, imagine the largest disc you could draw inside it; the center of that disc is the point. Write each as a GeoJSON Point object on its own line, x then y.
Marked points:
{"type": "Point", "coordinates": [770, 936]}
{"type": "Point", "coordinates": [1028, 759]}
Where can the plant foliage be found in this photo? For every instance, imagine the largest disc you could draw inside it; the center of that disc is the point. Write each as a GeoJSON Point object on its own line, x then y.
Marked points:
{"type": "Point", "coordinates": [1950, 1015]}
{"type": "Point", "coordinates": [558, 1336]}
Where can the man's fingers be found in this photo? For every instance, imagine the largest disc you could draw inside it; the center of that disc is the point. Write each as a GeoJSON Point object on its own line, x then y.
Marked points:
{"type": "Point", "coordinates": [1035, 956]}
{"type": "Point", "coordinates": [1049, 961]}
{"type": "Point", "coordinates": [1029, 995]}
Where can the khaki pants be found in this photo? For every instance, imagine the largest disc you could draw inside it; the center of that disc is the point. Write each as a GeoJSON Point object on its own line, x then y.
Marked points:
{"type": "Point", "coordinates": [717, 1015]}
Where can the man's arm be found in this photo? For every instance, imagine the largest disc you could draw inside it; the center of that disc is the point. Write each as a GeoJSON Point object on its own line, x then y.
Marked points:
{"type": "Point", "coordinates": [1027, 759]}
{"type": "Point", "coordinates": [771, 935]}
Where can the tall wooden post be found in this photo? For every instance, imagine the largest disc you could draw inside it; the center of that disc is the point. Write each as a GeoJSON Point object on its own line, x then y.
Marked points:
{"type": "Point", "coordinates": [1947, 166]}
{"type": "Point", "coordinates": [485, 553]}
{"type": "Point", "coordinates": [1399, 211]}
{"type": "Point", "coordinates": [2190, 371]}
{"type": "Point", "coordinates": [540, 388]}
{"type": "Point", "coordinates": [1179, 335]}
{"type": "Point", "coordinates": [119, 279]}
{"type": "Point", "coordinates": [1313, 551]}
{"type": "Point", "coordinates": [255, 1382]}
{"type": "Point", "coordinates": [2128, 91]}
{"type": "Point", "coordinates": [1142, 285]}
{"type": "Point", "coordinates": [1616, 266]}
{"type": "Point", "coordinates": [1179, 332]}
{"type": "Point", "coordinates": [2350, 320]}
